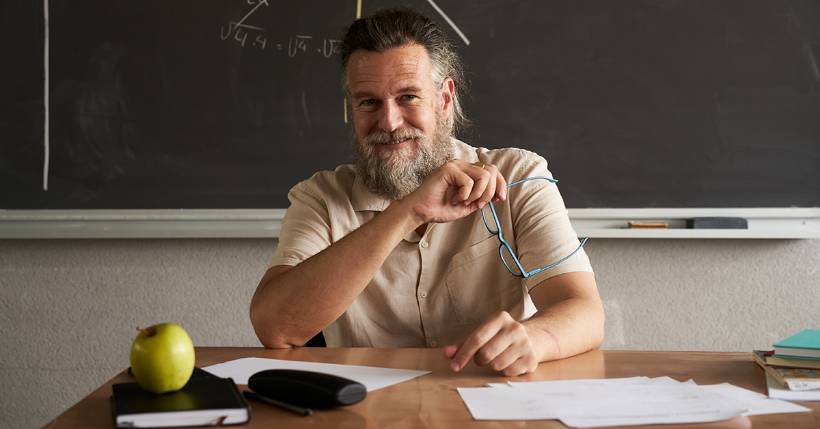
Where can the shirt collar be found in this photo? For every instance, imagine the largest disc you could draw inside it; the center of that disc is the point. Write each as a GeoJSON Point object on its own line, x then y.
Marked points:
{"type": "Point", "coordinates": [362, 199]}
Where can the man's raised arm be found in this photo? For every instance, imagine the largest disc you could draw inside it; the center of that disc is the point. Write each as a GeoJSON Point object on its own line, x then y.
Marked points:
{"type": "Point", "coordinates": [292, 304]}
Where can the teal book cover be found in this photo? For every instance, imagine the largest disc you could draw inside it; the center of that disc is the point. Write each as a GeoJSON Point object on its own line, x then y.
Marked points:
{"type": "Point", "coordinates": [805, 339]}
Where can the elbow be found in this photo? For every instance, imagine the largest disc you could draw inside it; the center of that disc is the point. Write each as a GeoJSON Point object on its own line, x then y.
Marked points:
{"type": "Point", "coordinates": [278, 325]}
{"type": "Point", "coordinates": [275, 342]}
{"type": "Point", "coordinates": [268, 335]}
{"type": "Point", "coordinates": [598, 330]}
{"type": "Point", "coordinates": [277, 338]}
{"type": "Point", "coordinates": [264, 325]}
{"type": "Point", "coordinates": [274, 334]}
{"type": "Point", "coordinates": [281, 340]}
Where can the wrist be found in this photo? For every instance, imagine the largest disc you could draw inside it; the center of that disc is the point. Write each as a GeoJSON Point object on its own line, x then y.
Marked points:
{"type": "Point", "coordinates": [544, 342]}
{"type": "Point", "coordinates": [405, 215]}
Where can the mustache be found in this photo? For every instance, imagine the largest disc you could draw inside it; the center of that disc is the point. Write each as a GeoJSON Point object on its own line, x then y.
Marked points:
{"type": "Point", "coordinates": [392, 137]}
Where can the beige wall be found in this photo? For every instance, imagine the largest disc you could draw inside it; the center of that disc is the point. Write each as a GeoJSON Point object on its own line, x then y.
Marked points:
{"type": "Point", "coordinates": [69, 308]}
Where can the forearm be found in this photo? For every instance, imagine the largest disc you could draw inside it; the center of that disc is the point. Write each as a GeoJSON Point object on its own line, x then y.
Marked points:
{"type": "Point", "coordinates": [557, 333]}
{"type": "Point", "coordinates": [288, 309]}
{"type": "Point", "coordinates": [568, 327]}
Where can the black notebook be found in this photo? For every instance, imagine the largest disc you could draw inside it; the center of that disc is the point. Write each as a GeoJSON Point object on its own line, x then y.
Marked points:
{"type": "Point", "coordinates": [206, 400]}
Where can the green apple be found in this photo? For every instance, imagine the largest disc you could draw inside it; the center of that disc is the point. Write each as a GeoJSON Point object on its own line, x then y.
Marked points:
{"type": "Point", "coordinates": [162, 358]}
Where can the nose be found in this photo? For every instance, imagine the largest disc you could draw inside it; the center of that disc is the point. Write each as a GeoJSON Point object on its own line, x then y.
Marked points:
{"type": "Point", "coordinates": [390, 118]}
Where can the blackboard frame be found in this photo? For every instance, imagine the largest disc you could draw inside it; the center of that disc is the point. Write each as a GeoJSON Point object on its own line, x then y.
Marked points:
{"type": "Point", "coordinates": [764, 223]}
{"type": "Point", "coordinates": [227, 217]}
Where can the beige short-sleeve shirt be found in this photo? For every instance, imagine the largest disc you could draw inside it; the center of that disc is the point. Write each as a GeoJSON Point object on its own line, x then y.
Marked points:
{"type": "Point", "coordinates": [435, 289]}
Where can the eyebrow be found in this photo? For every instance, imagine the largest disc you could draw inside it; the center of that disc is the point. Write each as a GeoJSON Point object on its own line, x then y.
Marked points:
{"type": "Point", "coordinates": [410, 88]}
{"type": "Point", "coordinates": [403, 90]}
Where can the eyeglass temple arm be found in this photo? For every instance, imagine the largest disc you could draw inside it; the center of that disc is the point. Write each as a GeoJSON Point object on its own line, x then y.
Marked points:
{"type": "Point", "coordinates": [550, 179]}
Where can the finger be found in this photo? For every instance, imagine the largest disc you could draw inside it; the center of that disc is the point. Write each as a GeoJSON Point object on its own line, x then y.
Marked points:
{"type": "Point", "coordinates": [508, 345]}
{"type": "Point", "coordinates": [481, 176]}
{"type": "Point", "coordinates": [481, 182]}
{"type": "Point", "coordinates": [474, 342]}
{"type": "Point", "coordinates": [449, 351]}
{"type": "Point", "coordinates": [464, 190]}
{"type": "Point", "coordinates": [501, 188]}
{"type": "Point", "coordinates": [505, 358]}
{"type": "Point", "coordinates": [490, 189]}
{"type": "Point", "coordinates": [490, 351]}
{"type": "Point", "coordinates": [463, 184]}
{"type": "Point", "coordinates": [524, 365]}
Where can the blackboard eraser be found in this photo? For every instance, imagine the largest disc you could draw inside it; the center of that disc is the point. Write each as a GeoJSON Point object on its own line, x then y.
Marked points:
{"type": "Point", "coordinates": [717, 223]}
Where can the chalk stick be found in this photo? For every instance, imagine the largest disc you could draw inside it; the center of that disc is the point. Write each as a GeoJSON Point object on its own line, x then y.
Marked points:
{"type": "Point", "coordinates": [648, 224]}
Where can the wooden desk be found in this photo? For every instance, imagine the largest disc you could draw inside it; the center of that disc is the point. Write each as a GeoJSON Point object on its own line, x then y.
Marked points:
{"type": "Point", "coordinates": [432, 400]}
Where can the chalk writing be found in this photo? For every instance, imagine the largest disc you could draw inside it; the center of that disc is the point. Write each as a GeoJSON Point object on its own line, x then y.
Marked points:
{"type": "Point", "coordinates": [297, 44]}
{"type": "Point", "coordinates": [246, 35]}
{"type": "Point", "coordinates": [331, 47]}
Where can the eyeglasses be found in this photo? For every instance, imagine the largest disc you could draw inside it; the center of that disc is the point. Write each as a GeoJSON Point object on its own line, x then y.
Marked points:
{"type": "Point", "coordinates": [505, 251]}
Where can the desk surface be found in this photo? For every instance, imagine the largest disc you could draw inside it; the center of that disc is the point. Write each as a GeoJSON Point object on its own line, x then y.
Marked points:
{"type": "Point", "coordinates": [432, 400]}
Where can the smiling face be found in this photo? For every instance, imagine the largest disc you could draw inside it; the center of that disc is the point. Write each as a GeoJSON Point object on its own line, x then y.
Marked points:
{"type": "Point", "coordinates": [401, 117]}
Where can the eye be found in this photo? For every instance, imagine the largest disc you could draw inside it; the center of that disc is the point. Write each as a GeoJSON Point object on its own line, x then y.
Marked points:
{"type": "Point", "coordinates": [368, 104]}
{"type": "Point", "coordinates": [408, 98]}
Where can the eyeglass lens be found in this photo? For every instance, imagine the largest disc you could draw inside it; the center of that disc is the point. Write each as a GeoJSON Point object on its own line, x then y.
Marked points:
{"type": "Point", "coordinates": [489, 220]}
{"type": "Point", "coordinates": [509, 261]}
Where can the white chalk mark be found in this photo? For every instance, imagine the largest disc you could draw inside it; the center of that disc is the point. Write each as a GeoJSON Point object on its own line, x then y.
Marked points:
{"type": "Point", "coordinates": [812, 61]}
{"type": "Point", "coordinates": [238, 25]}
{"type": "Point", "coordinates": [344, 101]}
{"type": "Point", "coordinates": [46, 150]}
{"type": "Point", "coordinates": [305, 109]}
{"type": "Point", "coordinates": [263, 2]}
{"type": "Point", "coordinates": [449, 21]}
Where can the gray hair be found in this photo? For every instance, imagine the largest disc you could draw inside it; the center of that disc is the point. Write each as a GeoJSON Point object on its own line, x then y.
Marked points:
{"type": "Point", "coordinates": [393, 28]}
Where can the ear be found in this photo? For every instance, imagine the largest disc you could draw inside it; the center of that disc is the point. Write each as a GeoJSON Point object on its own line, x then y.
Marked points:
{"type": "Point", "coordinates": [448, 90]}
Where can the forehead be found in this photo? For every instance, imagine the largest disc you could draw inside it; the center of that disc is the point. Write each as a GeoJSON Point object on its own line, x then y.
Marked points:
{"type": "Point", "coordinates": [395, 66]}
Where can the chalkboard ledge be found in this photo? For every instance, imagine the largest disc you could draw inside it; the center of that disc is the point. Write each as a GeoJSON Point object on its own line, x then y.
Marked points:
{"type": "Point", "coordinates": [160, 223]}
{"type": "Point", "coordinates": [763, 223]}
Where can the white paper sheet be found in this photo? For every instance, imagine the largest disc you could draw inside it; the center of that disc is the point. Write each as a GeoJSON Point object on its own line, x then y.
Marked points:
{"type": "Point", "coordinates": [372, 377]}
{"type": "Point", "coordinates": [756, 403]}
{"type": "Point", "coordinates": [780, 392]}
{"type": "Point", "coordinates": [616, 402]}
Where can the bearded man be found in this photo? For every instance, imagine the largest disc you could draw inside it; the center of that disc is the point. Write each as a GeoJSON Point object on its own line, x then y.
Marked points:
{"type": "Point", "coordinates": [421, 243]}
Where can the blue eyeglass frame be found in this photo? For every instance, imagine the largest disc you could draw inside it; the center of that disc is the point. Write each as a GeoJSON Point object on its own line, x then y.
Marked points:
{"type": "Point", "coordinates": [504, 245]}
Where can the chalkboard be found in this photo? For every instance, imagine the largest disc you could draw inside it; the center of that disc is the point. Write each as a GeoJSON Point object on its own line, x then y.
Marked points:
{"type": "Point", "coordinates": [229, 103]}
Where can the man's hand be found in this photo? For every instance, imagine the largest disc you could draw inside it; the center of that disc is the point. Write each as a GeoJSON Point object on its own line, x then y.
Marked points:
{"type": "Point", "coordinates": [569, 308]}
{"type": "Point", "coordinates": [502, 343]}
{"type": "Point", "coordinates": [455, 190]}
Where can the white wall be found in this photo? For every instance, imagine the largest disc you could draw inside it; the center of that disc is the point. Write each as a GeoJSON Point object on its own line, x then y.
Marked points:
{"type": "Point", "coordinates": [69, 308]}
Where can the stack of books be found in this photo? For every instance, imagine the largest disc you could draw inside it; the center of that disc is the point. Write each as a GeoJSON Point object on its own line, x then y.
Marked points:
{"type": "Point", "coordinates": [793, 366]}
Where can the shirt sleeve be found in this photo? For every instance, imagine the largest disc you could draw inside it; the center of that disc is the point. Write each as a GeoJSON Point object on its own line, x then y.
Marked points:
{"type": "Point", "coordinates": [305, 228]}
{"type": "Point", "coordinates": [543, 232]}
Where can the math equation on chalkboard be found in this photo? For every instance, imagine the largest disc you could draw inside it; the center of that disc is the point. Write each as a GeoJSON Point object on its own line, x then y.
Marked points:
{"type": "Point", "coordinates": [246, 34]}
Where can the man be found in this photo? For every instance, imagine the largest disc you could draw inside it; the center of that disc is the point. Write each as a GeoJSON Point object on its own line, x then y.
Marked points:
{"type": "Point", "coordinates": [394, 251]}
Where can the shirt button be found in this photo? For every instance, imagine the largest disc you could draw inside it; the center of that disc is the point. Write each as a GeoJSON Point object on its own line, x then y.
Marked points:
{"type": "Point", "coordinates": [422, 294]}
{"type": "Point", "coordinates": [425, 244]}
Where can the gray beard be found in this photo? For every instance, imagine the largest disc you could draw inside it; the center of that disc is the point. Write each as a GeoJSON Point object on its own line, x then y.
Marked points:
{"type": "Point", "coordinates": [397, 176]}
